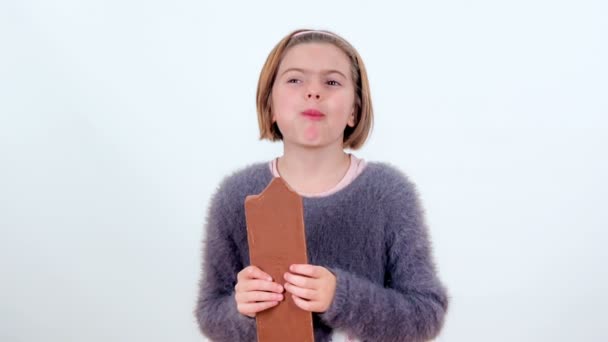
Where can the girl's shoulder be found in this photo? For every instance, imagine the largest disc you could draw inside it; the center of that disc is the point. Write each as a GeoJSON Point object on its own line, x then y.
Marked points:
{"type": "Point", "coordinates": [247, 176]}
{"type": "Point", "coordinates": [390, 186]}
{"type": "Point", "coordinates": [388, 177]}
{"type": "Point", "coordinates": [246, 180]}
{"type": "Point", "coordinates": [397, 194]}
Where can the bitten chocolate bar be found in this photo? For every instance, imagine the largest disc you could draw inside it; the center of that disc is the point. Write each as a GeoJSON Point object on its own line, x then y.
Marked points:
{"type": "Point", "coordinates": [276, 236]}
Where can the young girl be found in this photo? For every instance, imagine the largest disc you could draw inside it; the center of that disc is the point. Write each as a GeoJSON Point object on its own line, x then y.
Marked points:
{"type": "Point", "coordinates": [371, 275]}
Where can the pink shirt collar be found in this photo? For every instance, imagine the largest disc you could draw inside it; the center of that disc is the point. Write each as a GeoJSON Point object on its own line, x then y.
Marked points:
{"type": "Point", "coordinates": [356, 167]}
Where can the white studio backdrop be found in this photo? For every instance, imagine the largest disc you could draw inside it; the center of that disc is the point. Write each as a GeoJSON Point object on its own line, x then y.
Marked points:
{"type": "Point", "coordinates": [118, 119]}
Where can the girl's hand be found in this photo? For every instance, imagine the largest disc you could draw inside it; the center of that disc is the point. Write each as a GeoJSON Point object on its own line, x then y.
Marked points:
{"type": "Point", "coordinates": [312, 287]}
{"type": "Point", "coordinates": [255, 291]}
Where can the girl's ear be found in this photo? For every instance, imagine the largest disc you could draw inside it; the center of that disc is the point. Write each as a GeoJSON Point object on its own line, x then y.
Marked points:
{"type": "Point", "coordinates": [272, 116]}
{"type": "Point", "coordinates": [351, 118]}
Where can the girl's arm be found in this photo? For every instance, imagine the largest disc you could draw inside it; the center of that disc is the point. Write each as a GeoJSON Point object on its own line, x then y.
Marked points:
{"type": "Point", "coordinates": [216, 310]}
{"type": "Point", "coordinates": [412, 304]}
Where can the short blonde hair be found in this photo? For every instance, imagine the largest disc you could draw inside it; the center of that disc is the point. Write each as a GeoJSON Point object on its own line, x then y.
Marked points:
{"type": "Point", "coordinates": [354, 137]}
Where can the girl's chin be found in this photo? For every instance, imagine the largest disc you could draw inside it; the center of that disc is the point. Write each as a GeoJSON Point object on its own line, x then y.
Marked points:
{"type": "Point", "coordinates": [310, 138]}
{"type": "Point", "coordinates": [304, 143]}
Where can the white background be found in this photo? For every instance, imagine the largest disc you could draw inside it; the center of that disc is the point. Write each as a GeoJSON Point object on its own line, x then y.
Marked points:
{"type": "Point", "coordinates": [118, 119]}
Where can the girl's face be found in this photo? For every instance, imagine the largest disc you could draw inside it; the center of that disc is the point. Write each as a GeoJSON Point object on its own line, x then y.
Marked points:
{"type": "Point", "coordinates": [313, 96]}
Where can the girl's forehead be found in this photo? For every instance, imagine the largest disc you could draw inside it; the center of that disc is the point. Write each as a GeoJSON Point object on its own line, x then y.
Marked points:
{"type": "Point", "coordinates": [315, 56]}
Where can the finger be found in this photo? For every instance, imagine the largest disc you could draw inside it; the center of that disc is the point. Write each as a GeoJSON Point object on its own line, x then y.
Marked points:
{"type": "Point", "coordinates": [251, 308]}
{"type": "Point", "coordinates": [257, 296]}
{"type": "Point", "coordinates": [307, 270]}
{"type": "Point", "coordinates": [303, 293]}
{"type": "Point", "coordinates": [253, 272]}
{"type": "Point", "coordinates": [303, 304]}
{"type": "Point", "coordinates": [258, 285]}
{"type": "Point", "coordinates": [300, 281]}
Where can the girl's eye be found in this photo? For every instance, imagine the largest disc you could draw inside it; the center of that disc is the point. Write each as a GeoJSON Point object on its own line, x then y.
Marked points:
{"type": "Point", "coordinates": [293, 80]}
{"type": "Point", "coordinates": [333, 83]}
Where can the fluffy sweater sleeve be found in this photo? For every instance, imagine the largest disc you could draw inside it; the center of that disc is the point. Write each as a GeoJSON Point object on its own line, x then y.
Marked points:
{"type": "Point", "coordinates": [412, 303]}
{"type": "Point", "coordinates": [216, 310]}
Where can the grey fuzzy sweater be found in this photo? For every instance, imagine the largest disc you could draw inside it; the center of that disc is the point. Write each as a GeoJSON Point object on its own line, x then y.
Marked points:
{"type": "Point", "coordinates": [371, 235]}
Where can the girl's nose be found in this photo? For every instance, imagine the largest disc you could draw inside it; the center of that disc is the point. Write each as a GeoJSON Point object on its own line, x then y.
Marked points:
{"type": "Point", "coordinates": [313, 95]}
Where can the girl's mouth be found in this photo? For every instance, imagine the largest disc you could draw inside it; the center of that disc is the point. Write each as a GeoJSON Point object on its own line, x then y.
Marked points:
{"type": "Point", "coordinates": [313, 114]}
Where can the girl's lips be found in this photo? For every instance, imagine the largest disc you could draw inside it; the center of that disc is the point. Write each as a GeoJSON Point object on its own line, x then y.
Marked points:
{"type": "Point", "coordinates": [313, 114]}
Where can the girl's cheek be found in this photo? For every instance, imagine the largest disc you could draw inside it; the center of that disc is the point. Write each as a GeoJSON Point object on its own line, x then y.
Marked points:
{"type": "Point", "coordinates": [282, 91]}
{"type": "Point", "coordinates": [294, 89]}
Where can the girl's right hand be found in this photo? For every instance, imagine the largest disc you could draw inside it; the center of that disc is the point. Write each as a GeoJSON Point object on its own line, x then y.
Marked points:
{"type": "Point", "coordinates": [255, 291]}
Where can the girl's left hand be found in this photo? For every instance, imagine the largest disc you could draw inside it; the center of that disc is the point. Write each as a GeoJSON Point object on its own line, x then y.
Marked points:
{"type": "Point", "coordinates": [312, 287]}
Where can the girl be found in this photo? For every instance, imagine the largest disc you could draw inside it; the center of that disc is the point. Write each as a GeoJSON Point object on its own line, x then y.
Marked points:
{"type": "Point", "coordinates": [371, 275]}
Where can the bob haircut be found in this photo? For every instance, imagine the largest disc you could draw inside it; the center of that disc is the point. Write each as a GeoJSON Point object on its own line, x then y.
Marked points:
{"type": "Point", "coordinates": [354, 137]}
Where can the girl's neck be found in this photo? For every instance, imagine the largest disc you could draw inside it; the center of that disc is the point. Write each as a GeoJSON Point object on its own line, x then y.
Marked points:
{"type": "Point", "coordinates": [308, 170]}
